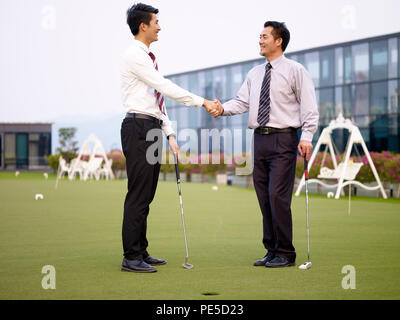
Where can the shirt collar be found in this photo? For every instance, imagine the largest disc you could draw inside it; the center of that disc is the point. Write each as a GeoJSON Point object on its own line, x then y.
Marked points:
{"type": "Point", "coordinates": [274, 63]}
{"type": "Point", "coordinates": [142, 45]}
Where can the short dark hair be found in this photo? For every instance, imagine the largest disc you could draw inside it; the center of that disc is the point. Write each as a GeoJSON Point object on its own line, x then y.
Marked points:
{"type": "Point", "coordinates": [137, 14]}
{"type": "Point", "coordinates": [280, 31]}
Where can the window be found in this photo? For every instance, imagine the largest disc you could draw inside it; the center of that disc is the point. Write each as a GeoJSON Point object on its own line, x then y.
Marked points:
{"type": "Point", "coordinates": [246, 68]}
{"type": "Point", "coordinates": [22, 150]}
{"type": "Point", "coordinates": [209, 94]}
{"type": "Point", "coordinates": [311, 62]}
{"type": "Point", "coordinates": [379, 133]}
{"type": "Point", "coordinates": [300, 58]}
{"type": "Point", "coordinates": [10, 151]}
{"type": "Point", "coordinates": [33, 150]}
{"type": "Point", "coordinates": [393, 132]}
{"type": "Point", "coordinates": [326, 106]}
{"type": "Point", "coordinates": [183, 117]}
{"type": "Point", "coordinates": [360, 99]}
{"type": "Point", "coordinates": [379, 60]}
{"type": "Point", "coordinates": [326, 67]}
{"type": "Point", "coordinates": [236, 80]}
{"type": "Point", "coordinates": [379, 98]}
{"type": "Point", "coordinates": [173, 114]}
{"type": "Point", "coordinates": [347, 65]}
{"type": "Point", "coordinates": [219, 78]}
{"type": "Point", "coordinates": [44, 147]}
{"type": "Point", "coordinates": [228, 85]}
{"type": "Point", "coordinates": [338, 101]}
{"type": "Point", "coordinates": [393, 97]}
{"type": "Point", "coordinates": [347, 101]}
{"type": "Point", "coordinates": [360, 62]}
{"type": "Point", "coordinates": [393, 58]}
{"type": "Point", "coordinates": [393, 116]}
{"type": "Point", "coordinates": [201, 77]}
{"type": "Point", "coordinates": [339, 65]}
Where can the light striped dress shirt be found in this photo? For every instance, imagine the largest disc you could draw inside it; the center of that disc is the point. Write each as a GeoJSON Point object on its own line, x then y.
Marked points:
{"type": "Point", "coordinates": [293, 102]}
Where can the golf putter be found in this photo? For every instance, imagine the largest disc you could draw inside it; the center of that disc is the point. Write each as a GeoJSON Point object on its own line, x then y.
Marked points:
{"type": "Point", "coordinates": [186, 265]}
{"type": "Point", "coordinates": [306, 265]}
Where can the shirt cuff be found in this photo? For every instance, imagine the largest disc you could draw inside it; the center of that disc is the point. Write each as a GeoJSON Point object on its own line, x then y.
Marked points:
{"type": "Point", "coordinates": [307, 136]}
{"type": "Point", "coordinates": [167, 129]}
{"type": "Point", "coordinates": [198, 101]}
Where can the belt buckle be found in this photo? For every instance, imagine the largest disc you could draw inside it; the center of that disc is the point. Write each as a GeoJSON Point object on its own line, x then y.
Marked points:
{"type": "Point", "coordinates": [267, 131]}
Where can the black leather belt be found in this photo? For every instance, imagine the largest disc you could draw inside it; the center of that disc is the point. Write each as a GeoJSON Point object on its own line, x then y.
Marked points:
{"type": "Point", "coordinates": [144, 116]}
{"type": "Point", "coordinates": [269, 130]}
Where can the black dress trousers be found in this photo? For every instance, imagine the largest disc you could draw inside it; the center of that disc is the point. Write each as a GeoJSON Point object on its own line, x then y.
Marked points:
{"type": "Point", "coordinates": [274, 172]}
{"type": "Point", "coordinates": [142, 183]}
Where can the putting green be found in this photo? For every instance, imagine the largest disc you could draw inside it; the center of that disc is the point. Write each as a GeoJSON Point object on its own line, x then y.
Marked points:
{"type": "Point", "coordinates": [77, 229]}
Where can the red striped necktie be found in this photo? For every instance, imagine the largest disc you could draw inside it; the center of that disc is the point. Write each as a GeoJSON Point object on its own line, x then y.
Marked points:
{"type": "Point", "coordinates": [159, 96]}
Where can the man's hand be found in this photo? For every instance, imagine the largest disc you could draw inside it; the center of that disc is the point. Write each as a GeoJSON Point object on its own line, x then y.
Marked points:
{"type": "Point", "coordinates": [305, 149]}
{"type": "Point", "coordinates": [173, 145]}
{"type": "Point", "coordinates": [213, 107]}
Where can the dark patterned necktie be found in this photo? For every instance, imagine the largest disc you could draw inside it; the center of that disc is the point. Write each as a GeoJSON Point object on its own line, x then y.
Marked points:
{"type": "Point", "coordinates": [159, 96]}
{"type": "Point", "coordinates": [265, 101]}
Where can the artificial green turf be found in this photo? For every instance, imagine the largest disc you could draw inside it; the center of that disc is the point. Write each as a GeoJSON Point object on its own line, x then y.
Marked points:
{"type": "Point", "coordinates": [77, 229]}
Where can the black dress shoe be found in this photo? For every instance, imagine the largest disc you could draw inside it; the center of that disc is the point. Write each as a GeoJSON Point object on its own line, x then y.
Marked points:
{"type": "Point", "coordinates": [279, 262]}
{"type": "Point", "coordinates": [136, 266]}
{"type": "Point", "coordinates": [154, 261]}
{"type": "Point", "coordinates": [269, 256]}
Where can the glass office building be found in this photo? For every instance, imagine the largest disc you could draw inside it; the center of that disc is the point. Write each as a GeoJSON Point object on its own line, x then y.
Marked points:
{"type": "Point", "coordinates": [24, 146]}
{"type": "Point", "coordinates": [359, 79]}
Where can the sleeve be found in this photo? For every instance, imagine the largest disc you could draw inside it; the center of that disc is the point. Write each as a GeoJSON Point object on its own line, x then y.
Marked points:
{"type": "Point", "coordinates": [167, 124]}
{"type": "Point", "coordinates": [305, 94]}
{"type": "Point", "coordinates": [239, 104]}
{"type": "Point", "coordinates": [142, 66]}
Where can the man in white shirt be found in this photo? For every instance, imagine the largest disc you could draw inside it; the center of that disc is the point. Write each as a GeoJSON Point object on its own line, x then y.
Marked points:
{"type": "Point", "coordinates": [143, 90]}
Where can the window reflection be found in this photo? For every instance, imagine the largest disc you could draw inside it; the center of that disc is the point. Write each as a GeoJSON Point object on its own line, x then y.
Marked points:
{"type": "Point", "coordinates": [339, 65]}
{"type": "Point", "coordinates": [379, 60]}
{"type": "Point", "coordinates": [379, 99]}
{"type": "Point", "coordinates": [326, 68]}
{"type": "Point", "coordinates": [360, 63]}
{"type": "Point", "coordinates": [360, 101]}
{"type": "Point", "coordinates": [311, 62]}
{"type": "Point", "coordinates": [338, 101]}
{"type": "Point", "coordinates": [393, 96]}
{"type": "Point", "coordinates": [326, 105]}
{"type": "Point", "coordinates": [393, 58]}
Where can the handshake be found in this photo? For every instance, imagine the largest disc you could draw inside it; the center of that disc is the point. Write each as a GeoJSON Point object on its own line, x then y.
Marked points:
{"type": "Point", "coordinates": [213, 107]}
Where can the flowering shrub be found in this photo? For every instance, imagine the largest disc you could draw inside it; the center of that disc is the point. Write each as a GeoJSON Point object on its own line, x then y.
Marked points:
{"type": "Point", "coordinates": [386, 163]}
{"type": "Point", "coordinates": [118, 158]}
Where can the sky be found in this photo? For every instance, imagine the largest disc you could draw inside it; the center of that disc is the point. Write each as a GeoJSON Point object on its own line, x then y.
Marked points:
{"type": "Point", "coordinates": [59, 59]}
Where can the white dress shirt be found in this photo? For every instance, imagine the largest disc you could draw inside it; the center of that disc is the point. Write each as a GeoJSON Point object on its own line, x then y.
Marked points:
{"type": "Point", "coordinates": [293, 102]}
{"type": "Point", "coordinates": [140, 80]}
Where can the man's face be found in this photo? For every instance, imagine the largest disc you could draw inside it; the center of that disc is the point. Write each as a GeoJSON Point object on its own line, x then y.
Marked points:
{"type": "Point", "coordinates": [153, 28]}
{"type": "Point", "coordinates": [268, 44]}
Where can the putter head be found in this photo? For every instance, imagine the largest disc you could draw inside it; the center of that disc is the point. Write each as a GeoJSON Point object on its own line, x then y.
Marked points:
{"type": "Point", "coordinates": [187, 265]}
{"type": "Point", "coordinates": [305, 265]}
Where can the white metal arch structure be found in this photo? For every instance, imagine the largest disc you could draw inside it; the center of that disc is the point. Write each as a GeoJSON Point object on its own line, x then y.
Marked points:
{"type": "Point", "coordinates": [347, 170]}
{"type": "Point", "coordinates": [92, 168]}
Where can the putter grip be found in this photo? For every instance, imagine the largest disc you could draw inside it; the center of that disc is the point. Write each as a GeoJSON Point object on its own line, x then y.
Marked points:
{"type": "Point", "coordinates": [305, 168]}
{"type": "Point", "coordinates": [178, 176]}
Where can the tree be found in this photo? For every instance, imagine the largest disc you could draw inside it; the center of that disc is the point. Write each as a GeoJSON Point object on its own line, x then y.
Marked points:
{"type": "Point", "coordinates": [68, 146]}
